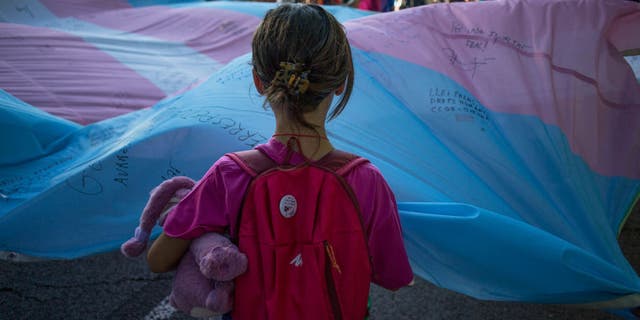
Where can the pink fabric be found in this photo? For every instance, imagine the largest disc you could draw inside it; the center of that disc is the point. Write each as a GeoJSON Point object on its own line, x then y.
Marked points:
{"type": "Point", "coordinates": [564, 73]}
{"type": "Point", "coordinates": [69, 77]}
{"type": "Point", "coordinates": [71, 8]}
{"type": "Point", "coordinates": [220, 34]}
{"type": "Point", "coordinates": [620, 31]}
{"type": "Point", "coordinates": [214, 204]}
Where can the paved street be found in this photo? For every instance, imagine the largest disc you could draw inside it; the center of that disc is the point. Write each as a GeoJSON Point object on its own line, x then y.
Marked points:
{"type": "Point", "coordinates": [110, 286]}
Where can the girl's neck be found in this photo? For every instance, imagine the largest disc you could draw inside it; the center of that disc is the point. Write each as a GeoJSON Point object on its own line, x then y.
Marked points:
{"type": "Point", "coordinates": [313, 144]}
{"type": "Point", "coordinates": [283, 130]}
{"type": "Point", "coordinates": [313, 141]}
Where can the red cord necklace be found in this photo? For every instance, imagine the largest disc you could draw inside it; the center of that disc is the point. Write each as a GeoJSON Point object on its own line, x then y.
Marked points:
{"type": "Point", "coordinates": [298, 135]}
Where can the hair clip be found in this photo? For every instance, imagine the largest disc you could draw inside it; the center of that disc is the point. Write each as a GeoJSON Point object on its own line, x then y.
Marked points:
{"type": "Point", "coordinates": [292, 77]}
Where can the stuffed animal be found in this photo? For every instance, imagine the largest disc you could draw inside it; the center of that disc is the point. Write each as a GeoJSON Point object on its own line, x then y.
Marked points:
{"type": "Point", "coordinates": [203, 285]}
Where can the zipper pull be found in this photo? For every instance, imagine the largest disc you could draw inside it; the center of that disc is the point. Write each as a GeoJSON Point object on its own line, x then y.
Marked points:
{"type": "Point", "coordinates": [332, 256]}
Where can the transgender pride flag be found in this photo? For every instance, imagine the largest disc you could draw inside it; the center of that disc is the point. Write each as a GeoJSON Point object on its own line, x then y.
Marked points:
{"type": "Point", "coordinates": [509, 130]}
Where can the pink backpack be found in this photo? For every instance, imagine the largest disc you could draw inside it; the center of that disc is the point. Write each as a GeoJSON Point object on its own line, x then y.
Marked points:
{"type": "Point", "coordinates": [301, 229]}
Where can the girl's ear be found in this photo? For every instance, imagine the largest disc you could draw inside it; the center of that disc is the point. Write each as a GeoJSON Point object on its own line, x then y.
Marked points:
{"type": "Point", "coordinates": [257, 82]}
{"type": "Point", "coordinates": [340, 89]}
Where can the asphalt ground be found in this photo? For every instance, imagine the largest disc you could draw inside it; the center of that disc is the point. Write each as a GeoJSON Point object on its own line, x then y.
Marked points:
{"type": "Point", "coordinates": [110, 286]}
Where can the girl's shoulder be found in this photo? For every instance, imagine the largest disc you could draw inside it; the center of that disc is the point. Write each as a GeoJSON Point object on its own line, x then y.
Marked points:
{"type": "Point", "coordinates": [225, 169]}
{"type": "Point", "coordinates": [365, 174]}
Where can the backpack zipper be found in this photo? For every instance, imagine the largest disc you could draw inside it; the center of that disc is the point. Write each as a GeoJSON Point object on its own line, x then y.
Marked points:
{"type": "Point", "coordinates": [332, 256]}
{"type": "Point", "coordinates": [333, 295]}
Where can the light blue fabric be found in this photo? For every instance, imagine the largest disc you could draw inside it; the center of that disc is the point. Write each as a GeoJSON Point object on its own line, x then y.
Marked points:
{"type": "Point", "coordinates": [258, 9]}
{"type": "Point", "coordinates": [493, 205]}
{"type": "Point", "coordinates": [634, 62]}
{"type": "Point", "coordinates": [97, 181]}
{"type": "Point", "coordinates": [29, 133]}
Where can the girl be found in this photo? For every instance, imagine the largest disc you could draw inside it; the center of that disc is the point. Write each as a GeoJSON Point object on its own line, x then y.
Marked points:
{"type": "Point", "coordinates": [301, 59]}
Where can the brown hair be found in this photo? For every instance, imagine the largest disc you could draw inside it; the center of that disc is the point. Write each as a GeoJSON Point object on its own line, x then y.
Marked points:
{"type": "Point", "coordinates": [311, 39]}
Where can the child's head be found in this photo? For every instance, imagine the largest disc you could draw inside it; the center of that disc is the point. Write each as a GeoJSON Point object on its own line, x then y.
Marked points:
{"type": "Point", "coordinates": [301, 55]}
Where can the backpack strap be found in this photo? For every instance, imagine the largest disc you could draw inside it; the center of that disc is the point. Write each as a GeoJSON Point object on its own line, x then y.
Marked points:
{"type": "Point", "coordinates": [340, 162]}
{"type": "Point", "coordinates": [253, 161]}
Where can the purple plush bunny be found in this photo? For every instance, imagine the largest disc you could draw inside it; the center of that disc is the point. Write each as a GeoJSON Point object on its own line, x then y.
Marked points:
{"type": "Point", "coordinates": [203, 284]}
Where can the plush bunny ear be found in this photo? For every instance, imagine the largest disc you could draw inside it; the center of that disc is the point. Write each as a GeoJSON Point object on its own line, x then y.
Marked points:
{"type": "Point", "coordinates": [162, 199]}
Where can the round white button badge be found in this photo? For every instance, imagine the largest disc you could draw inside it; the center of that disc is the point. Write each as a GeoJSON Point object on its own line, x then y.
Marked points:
{"type": "Point", "coordinates": [288, 206]}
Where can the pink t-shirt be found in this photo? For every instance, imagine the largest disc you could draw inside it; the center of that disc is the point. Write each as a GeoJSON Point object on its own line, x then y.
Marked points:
{"type": "Point", "coordinates": [214, 203]}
